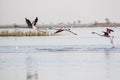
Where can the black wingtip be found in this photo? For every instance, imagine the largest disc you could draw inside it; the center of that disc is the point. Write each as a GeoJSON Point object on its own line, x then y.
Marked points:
{"type": "Point", "coordinates": [28, 23]}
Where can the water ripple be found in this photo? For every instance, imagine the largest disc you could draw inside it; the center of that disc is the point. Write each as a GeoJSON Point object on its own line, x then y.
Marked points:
{"type": "Point", "coordinates": [63, 48]}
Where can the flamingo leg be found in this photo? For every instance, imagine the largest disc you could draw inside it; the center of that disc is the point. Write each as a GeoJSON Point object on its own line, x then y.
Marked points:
{"type": "Point", "coordinates": [111, 38]}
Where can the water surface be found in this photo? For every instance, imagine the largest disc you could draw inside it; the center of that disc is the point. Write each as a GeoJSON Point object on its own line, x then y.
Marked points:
{"type": "Point", "coordinates": [82, 57]}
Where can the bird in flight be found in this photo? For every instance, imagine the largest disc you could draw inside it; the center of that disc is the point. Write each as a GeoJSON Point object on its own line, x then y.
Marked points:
{"type": "Point", "coordinates": [106, 34]}
{"type": "Point", "coordinates": [63, 29]}
{"type": "Point", "coordinates": [32, 24]}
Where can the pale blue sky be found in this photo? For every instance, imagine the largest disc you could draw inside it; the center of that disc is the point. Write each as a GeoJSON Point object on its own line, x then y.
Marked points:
{"type": "Point", "coordinates": [14, 11]}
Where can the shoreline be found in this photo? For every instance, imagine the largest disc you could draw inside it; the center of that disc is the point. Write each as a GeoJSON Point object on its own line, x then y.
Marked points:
{"type": "Point", "coordinates": [64, 25]}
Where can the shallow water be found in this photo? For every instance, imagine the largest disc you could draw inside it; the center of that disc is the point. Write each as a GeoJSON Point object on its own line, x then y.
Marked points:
{"type": "Point", "coordinates": [82, 57]}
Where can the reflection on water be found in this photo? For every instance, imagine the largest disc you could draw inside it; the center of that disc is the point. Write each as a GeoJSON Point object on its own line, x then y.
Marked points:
{"type": "Point", "coordinates": [32, 72]}
{"type": "Point", "coordinates": [107, 54]}
{"type": "Point", "coordinates": [60, 66]}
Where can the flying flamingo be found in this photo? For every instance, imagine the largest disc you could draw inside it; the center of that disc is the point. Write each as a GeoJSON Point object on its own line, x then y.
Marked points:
{"type": "Point", "coordinates": [32, 24]}
{"type": "Point", "coordinates": [64, 29]}
{"type": "Point", "coordinates": [106, 34]}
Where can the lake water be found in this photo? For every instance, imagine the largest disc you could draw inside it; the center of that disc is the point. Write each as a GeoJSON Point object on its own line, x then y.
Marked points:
{"type": "Point", "coordinates": [83, 57]}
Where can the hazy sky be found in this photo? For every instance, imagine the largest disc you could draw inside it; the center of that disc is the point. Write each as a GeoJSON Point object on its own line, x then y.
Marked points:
{"type": "Point", "coordinates": [54, 11]}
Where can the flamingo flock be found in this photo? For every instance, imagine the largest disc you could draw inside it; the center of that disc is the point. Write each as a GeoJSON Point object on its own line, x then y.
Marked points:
{"type": "Point", "coordinates": [105, 33]}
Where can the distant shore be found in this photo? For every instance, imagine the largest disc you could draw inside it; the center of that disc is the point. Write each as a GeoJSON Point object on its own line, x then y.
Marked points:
{"type": "Point", "coordinates": [64, 25]}
{"type": "Point", "coordinates": [18, 32]}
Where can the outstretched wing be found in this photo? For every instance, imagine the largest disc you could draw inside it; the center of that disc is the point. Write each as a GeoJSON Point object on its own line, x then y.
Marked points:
{"type": "Point", "coordinates": [109, 30]}
{"type": "Point", "coordinates": [35, 21]}
{"type": "Point", "coordinates": [28, 23]}
{"type": "Point", "coordinates": [71, 32]}
{"type": "Point", "coordinates": [58, 31]}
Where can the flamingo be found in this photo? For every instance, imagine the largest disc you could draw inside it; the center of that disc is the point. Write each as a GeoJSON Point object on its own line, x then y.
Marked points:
{"type": "Point", "coordinates": [33, 24]}
{"type": "Point", "coordinates": [64, 29]}
{"type": "Point", "coordinates": [106, 34]}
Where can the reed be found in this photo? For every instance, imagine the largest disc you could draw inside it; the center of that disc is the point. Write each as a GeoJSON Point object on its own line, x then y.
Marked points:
{"type": "Point", "coordinates": [17, 33]}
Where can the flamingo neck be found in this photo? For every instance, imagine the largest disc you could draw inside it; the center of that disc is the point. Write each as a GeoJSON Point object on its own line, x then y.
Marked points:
{"type": "Point", "coordinates": [97, 34]}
